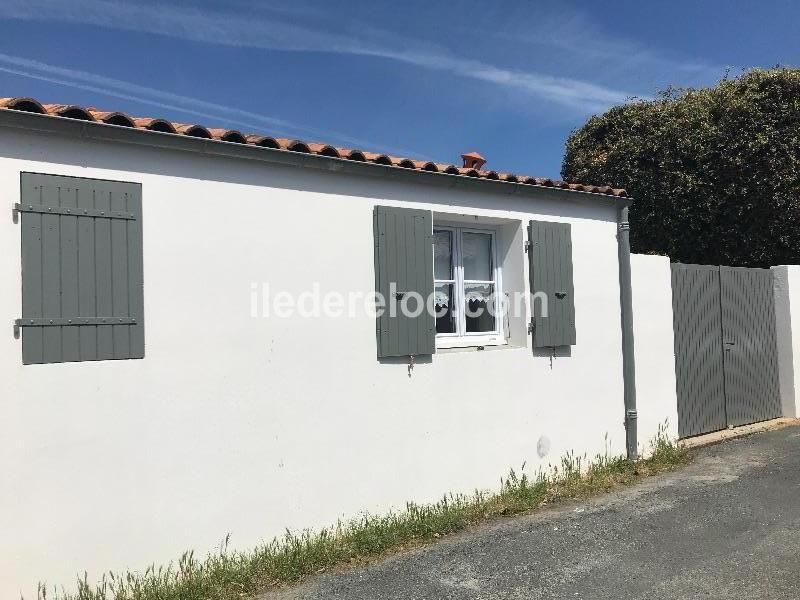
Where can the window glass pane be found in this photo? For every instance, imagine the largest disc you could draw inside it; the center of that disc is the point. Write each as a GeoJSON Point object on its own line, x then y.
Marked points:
{"type": "Point", "coordinates": [480, 307]}
{"type": "Point", "coordinates": [445, 308]}
{"type": "Point", "coordinates": [477, 256]}
{"type": "Point", "coordinates": [442, 254]}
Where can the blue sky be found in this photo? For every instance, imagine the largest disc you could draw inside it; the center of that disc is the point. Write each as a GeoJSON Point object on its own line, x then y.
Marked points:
{"type": "Point", "coordinates": [426, 79]}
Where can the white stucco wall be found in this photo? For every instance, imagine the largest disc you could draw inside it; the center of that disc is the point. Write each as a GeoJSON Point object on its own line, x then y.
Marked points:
{"type": "Point", "coordinates": [252, 425]}
{"type": "Point", "coordinates": [654, 346]}
{"type": "Point", "coordinates": [787, 316]}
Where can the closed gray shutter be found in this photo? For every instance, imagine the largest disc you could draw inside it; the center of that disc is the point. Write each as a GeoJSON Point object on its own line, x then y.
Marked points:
{"type": "Point", "coordinates": [82, 295]}
{"type": "Point", "coordinates": [404, 256]}
{"type": "Point", "coordinates": [551, 272]}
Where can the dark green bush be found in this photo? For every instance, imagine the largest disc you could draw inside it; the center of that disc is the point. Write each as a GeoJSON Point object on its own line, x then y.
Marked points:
{"type": "Point", "coordinates": [715, 172]}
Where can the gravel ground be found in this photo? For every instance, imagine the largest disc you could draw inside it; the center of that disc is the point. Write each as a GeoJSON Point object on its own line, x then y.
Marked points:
{"type": "Point", "coordinates": [727, 527]}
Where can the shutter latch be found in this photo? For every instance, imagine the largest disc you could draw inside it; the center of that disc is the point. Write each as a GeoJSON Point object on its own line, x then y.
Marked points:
{"type": "Point", "coordinates": [528, 246]}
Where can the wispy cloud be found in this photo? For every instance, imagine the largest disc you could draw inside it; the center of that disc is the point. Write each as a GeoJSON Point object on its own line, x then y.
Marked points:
{"type": "Point", "coordinates": [275, 30]}
{"type": "Point", "coordinates": [569, 36]}
{"type": "Point", "coordinates": [185, 105]}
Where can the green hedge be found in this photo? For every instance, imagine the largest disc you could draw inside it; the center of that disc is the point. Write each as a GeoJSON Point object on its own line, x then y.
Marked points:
{"type": "Point", "coordinates": [715, 172]}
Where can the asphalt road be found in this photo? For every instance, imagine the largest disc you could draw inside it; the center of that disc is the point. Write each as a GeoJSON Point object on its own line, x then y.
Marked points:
{"type": "Point", "coordinates": [727, 527]}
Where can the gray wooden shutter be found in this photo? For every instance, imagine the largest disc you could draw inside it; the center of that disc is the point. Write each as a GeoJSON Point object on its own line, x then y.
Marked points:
{"type": "Point", "coordinates": [551, 272]}
{"type": "Point", "coordinates": [404, 256]}
{"type": "Point", "coordinates": [82, 295]}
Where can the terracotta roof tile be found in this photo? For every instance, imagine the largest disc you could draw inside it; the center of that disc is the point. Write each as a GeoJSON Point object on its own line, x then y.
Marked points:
{"type": "Point", "coordinates": [69, 111]}
{"type": "Point", "coordinates": [294, 145]}
{"type": "Point", "coordinates": [353, 154]}
{"type": "Point", "coordinates": [120, 119]}
{"type": "Point", "coordinates": [112, 118]}
{"type": "Point", "coordinates": [263, 140]}
{"type": "Point", "coordinates": [193, 130]}
{"type": "Point", "coordinates": [26, 104]}
{"type": "Point", "coordinates": [324, 150]}
{"type": "Point", "coordinates": [154, 124]}
{"type": "Point", "coordinates": [228, 135]}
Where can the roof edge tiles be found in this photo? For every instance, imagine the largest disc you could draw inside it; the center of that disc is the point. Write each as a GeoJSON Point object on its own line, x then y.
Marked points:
{"type": "Point", "coordinates": [120, 119]}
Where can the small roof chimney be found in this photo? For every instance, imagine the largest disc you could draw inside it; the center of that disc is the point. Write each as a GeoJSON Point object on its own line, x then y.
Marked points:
{"type": "Point", "coordinates": [473, 160]}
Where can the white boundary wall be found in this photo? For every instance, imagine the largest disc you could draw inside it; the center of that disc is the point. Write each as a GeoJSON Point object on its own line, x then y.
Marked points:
{"type": "Point", "coordinates": [654, 346]}
{"type": "Point", "coordinates": [250, 426]}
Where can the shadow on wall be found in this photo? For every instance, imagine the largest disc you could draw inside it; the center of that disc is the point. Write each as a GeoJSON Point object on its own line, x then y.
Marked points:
{"type": "Point", "coordinates": [387, 184]}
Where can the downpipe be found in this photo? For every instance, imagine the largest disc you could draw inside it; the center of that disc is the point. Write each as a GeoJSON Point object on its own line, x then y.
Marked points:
{"type": "Point", "coordinates": [626, 316]}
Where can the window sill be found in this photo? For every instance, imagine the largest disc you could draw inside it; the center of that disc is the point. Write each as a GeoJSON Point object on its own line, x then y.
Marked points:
{"type": "Point", "coordinates": [470, 342]}
{"type": "Point", "coordinates": [486, 348]}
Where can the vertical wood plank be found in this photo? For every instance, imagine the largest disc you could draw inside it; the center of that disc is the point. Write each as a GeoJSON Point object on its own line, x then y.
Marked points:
{"type": "Point", "coordinates": [103, 276]}
{"type": "Point", "coordinates": [532, 276]}
{"type": "Point", "coordinates": [136, 273]}
{"type": "Point", "coordinates": [412, 277]}
{"type": "Point", "coordinates": [408, 326]}
{"type": "Point", "coordinates": [558, 263]}
{"type": "Point", "coordinates": [547, 283]}
{"type": "Point", "coordinates": [87, 298]}
{"type": "Point", "coordinates": [31, 224]}
{"type": "Point", "coordinates": [570, 333]}
{"type": "Point", "coordinates": [51, 274]}
{"type": "Point", "coordinates": [70, 336]}
{"type": "Point", "coordinates": [379, 231]}
{"type": "Point", "coordinates": [120, 275]}
{"type": "Point", "coordinates": [426, 322]}
{"type": "Point", "coordinates": [386, 274]}
{"type": "Point", "coordinates": [540, 256]}
{"type": "Point", "coordinates": [398, 275]}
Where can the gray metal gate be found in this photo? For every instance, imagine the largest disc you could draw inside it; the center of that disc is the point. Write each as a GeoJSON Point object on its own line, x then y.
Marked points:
{"type": "Point", "coordinates": [726, 362]}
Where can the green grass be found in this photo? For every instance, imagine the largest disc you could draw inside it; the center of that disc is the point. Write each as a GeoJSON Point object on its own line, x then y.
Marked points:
{"type": "Point", "coordinates": [229, 575]}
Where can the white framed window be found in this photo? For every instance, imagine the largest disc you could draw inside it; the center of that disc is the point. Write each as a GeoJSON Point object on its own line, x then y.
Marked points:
{"type": "Point", "coordinates": [467, 287]}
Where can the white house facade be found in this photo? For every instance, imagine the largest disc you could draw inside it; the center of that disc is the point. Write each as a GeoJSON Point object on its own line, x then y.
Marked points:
{"type": "Point", "coordinates": [233, 391]}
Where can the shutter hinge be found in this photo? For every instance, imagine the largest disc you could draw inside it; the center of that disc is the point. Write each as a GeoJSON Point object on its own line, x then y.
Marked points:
{"type": "Point", "coordinates": [74, 212]}
{"type": "Point", "coordinates": [63, 322]}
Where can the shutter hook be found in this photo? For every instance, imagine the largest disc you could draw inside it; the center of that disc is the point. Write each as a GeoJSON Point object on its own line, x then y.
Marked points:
{"type": "Point", "coordinates": [412, 360]}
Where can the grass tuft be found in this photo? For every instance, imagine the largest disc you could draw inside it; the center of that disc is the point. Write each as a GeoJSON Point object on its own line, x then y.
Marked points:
{"type": "Point", "coordinates": [229, 575]}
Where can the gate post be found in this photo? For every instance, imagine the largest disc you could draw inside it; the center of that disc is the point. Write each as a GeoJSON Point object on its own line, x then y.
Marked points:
{"type": "Point", "coordinates": [786, 282]}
